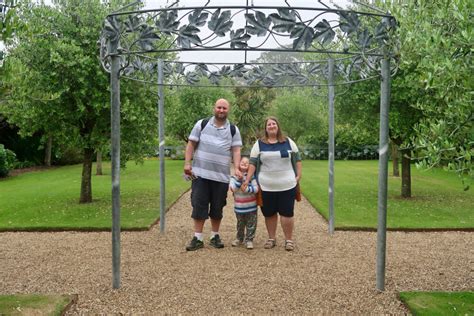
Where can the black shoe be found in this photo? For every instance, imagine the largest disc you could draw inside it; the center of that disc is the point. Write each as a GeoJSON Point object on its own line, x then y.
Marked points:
{"type": "Point", "coordinates": [216, 242]}
{"type": "Point", "coordinates": [195, 244]}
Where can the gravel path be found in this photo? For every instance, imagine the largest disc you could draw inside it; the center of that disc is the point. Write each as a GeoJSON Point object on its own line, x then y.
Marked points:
{"type": "Point", "coordinates": [325, 274]}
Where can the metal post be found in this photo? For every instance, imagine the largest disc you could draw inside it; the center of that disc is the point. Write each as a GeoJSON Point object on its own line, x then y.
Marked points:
{"type": "Point", "coordinates": [331, 144]}
{"type": "Point", "coordinates": [115, 130]}
{"type": "Point", "coordinates": [383, 172]}
{"type": "Point", "coordinates": [161, 135]}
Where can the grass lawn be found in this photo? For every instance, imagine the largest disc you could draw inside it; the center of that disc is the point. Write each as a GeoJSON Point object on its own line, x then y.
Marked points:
{"type": "Point", "coordinates": [33, 304]}
{"type": "Point", "coordinates": [439, 303]}
{"type": "Point", "coordinates": [49, 199]}
{"type": "Point", "coordinates": [438, 200]}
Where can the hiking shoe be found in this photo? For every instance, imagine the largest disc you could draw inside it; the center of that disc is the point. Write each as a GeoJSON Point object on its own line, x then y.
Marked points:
{"type": "Point", "coordinates": [195, 244]}
{"type": "Point", "coordinates": [237, 243]}
{"type": "Point", "coordinates": [216, 242]}
{"type": "Point", "coordinates": [249, 244]}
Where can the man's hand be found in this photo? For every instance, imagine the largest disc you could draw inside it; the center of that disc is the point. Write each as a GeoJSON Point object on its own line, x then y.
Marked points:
{"type": "Point", "coordinates": [238, 174]}
{"type": "Point", "coordinates": [188, 169]}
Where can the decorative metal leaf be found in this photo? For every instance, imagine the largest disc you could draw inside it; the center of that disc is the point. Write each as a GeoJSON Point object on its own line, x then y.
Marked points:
{"type": "Point", "coordinates": [167, 69]}
{"type": "Point", "coordinates": [239, 70]}
{"type": "Point", "coordinates": [225, 71]}
{"type": "Point", "coordinates": [214, 77]}
{"type": "Point", "coordinates": [132, 24]}
{"type": "Point", "coordinates": [257, 24]}
{"type": "Point", "coordinates": [147, 38]}
{"type": "Point", "coordinates": [313, 68]}
{"type": "Point", "coordinates": [303, 36]}
{"type": "Point", "coordinates": [111, 28]}
{"type": "Point", "coordinates": [280, 69]}
{"type": "Point", "coordinates": [187, 36]}
{"type": "Point", "coordinates": [365, 39]}
{"type": "Point", "coordinates": [349, 22]}
{"type": "Point", "coordinates": [179, 69]}
{"type": "Point", "coordinates": [198, 18]}
{"type": "Point", "coordinates": [202, 69]}
{"type": "Point", "coordinates": [238, 39]}
{"type": "Point", "coordinates": [167, 23]}
{"type": "Point", "coordinates": [192, 77]}
{"type": "Point", "coordinates": [284, 21]}
{"type": "Point", "coordinates": [220, 23]}
{"type": "Point", "coordinates": [324, 33]}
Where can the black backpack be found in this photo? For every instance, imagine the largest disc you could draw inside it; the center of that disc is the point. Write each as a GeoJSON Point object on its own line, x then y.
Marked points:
{"type": "Point", "coordinates": [205, 121]}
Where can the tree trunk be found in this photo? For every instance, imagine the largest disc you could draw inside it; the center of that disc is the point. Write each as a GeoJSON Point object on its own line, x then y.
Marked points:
{"type": "Point", "coordinates": [406, 174]}
{"type": "Point", "coordinates": [47, 151]}
{"type": "Point", "coordinates": [396, 170]}
{"type": "Point", "coordinates": [86, 182]}
{"type": "Point", "coordinates": [99, 163]}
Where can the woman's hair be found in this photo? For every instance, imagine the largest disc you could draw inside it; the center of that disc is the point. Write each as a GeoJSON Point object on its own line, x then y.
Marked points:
{"type": "Point", "coordinates": [280, 137]}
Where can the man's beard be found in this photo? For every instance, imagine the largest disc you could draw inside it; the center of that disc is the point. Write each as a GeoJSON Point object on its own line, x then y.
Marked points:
{"type": "Point", "coordinates": [220, 117]}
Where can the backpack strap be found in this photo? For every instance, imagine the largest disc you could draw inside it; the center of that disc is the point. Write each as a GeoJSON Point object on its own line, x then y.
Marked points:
{"type": "Point", "coordinates": [205, 121]}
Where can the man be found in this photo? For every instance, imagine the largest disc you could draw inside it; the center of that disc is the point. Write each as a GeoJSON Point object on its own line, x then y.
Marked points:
{"type": "Point", "coordinates": [211, 145]}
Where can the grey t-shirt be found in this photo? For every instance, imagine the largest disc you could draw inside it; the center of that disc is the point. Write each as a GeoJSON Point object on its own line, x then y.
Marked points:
{"type": "Point", "coordinates": [213, 154]}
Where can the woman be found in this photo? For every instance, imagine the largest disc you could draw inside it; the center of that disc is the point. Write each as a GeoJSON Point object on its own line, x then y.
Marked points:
{"type": "Point", "coordinates": [277, 161]}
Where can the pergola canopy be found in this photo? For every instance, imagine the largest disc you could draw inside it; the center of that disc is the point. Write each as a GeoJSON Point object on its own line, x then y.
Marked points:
{"type": "Point", "coordinates": [355, 40]}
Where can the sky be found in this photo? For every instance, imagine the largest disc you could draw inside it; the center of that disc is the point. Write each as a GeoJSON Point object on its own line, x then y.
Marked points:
{"type": "Point", "coordinates": [239, 21]}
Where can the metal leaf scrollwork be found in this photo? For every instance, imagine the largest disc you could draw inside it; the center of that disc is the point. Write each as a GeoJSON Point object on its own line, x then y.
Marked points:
{"type": "Point", "coordinates": [258, 23]}
{"type": "Point", "coordinates": [303, 35]}
{"type": "Point", "coordinates": [324, 33]}
{"type": "Point", "coordinates": [349, 22]}
{"type": "Point", "coordinates": [238, 39]}
{"type": "Point", "coordinates": [363, 36]}
{"type": "Point", "coordinates": [187, 36]}
{"type": "Point", "coordinates": [283, 21]}
{"type": "Point", "coordinates": [198, 18]}
{"type": "Point", "coordinates": [220, 23]}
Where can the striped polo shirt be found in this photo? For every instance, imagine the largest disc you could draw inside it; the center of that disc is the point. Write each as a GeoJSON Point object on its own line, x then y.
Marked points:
{"type": "Point", "coordinates": [213, 154]}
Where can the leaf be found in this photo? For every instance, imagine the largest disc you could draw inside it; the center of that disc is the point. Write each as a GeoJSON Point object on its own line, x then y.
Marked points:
{"type": "Point", "coordinates": [324, 33]}
{"type": "Point", "coordinates": [147, 38]}
{"type": "Point", "coordinates": [238, 39]}
{"type": "Point", "coordinates": [365, 39]}
{"type": "Point", "coordinates": [284, 21]}
{"type": "Point", "coordinates": [220, 23]}
{"type": "Point", "coordinates": [192, 78]}
{"type": "Point", "coordinates": [167, 23]}
{"type": "Point", "coordinates": [349, 22]}
{"type": "Point", "coordinates": [303, 35]}
{"type": "Point", "coordinates": [132, 24]}
{"type": "Point", "coordinates": [257, 24]}
{"type": "Point", "coordinates": [214, 77]}
{"type": "Point", "coordinates": [112, 28]}
{"type": "Point", "coordinates": [198, 18]}
{"type": "Point", "coordinates": [187, 36]}
{"type": "Point", "coordinates": [239, 70]}
{"type": "Point", "coordinates": [225, 71]}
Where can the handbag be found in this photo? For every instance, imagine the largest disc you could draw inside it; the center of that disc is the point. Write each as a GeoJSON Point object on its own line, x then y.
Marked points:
{"type": "Point", "coordinates": [298, 193]}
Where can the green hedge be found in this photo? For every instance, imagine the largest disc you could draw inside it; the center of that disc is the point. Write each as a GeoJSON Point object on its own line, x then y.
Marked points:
{"type": "Point", "coordinates": [7, 159]}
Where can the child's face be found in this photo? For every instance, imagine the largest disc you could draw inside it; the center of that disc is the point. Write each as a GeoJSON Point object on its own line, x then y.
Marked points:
{"type": "Point", "coordinates": [244, 165]}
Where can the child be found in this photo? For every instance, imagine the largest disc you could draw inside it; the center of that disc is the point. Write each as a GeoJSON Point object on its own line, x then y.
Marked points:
{"type": "Point", "coordinates": [245, 206]}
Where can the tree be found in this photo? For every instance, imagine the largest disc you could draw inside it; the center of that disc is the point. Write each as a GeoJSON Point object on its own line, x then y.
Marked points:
{"type": "Point", "coordinates": [191, 105]}
{"type": "Point", "coordinates": [437, 44]}
{"type": "Point", "coordinates": [58, 85]}
{"type": "Point", "coordinates": [252, 106]}
{"type": "Point", "coordinates": [301, 114]}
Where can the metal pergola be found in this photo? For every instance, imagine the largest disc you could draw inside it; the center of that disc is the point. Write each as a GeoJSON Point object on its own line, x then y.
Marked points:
{"type": "Point", "coordinates": [356, 46]}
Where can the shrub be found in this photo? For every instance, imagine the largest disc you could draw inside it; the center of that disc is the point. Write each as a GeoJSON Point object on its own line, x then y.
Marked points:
{"type": "Point", "coordinates": [7, 159]}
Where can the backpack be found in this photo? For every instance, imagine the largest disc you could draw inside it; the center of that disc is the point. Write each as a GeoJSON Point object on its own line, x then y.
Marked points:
{"type": "Point", "coordinates": [205, 121]}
